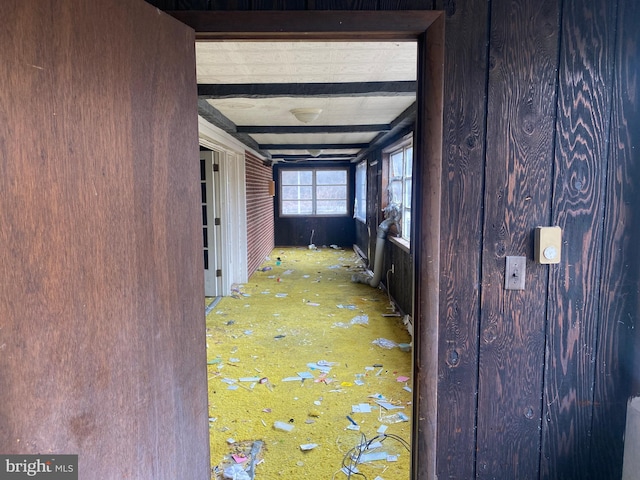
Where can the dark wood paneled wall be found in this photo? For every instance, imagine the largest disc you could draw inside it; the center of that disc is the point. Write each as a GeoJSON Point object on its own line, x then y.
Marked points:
{"type": "Point", "coordinates": [622, 194]}
{"type": "Point", "coordinates": [461, 234]}
{"type": "Point", "coordinates": [297, 231]}
{"type": "Point", "coordinates": [366, 233]}
{"type": "Point", "coordinates": [102, 338]}
{"type": "Point", "coordinates": [400, 283]}
{"type": "Point", "coordinates": [618, 285]}
{"type": "Point", "coordinates": [519, 151]}
{"type": "Point", "coordinates": [580, 167]}
{"type": "Point", "coordinates": [260, 221]}
{"type": "Point", "coordinates": [541, 127]}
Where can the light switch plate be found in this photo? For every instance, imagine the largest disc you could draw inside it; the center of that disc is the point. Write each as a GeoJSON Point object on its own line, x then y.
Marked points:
{"type": "Point", "coordinates": [515, 273]}
{"type": "Point", "coordinates": [547, 245]}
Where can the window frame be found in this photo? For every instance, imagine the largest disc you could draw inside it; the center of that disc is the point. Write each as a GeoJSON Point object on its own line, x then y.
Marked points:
{"type": "Point", "coordinates": [314, 186]}
{"type": "Point", "coordinates": [403, 145]}
{"type": "Point", "coordinates": [363, 165]}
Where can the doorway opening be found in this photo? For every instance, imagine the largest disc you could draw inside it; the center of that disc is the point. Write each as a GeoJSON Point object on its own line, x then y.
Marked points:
{"type": "Point", "coordinates": [427, 28]}
{"type": "Point", "coordinates": [358, 93]}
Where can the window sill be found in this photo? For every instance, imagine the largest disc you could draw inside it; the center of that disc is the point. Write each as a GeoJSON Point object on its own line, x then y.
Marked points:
{"type": "Point", "coordinates": [401, 242]}
{"type": "Point", "coordinates": [309, 215]}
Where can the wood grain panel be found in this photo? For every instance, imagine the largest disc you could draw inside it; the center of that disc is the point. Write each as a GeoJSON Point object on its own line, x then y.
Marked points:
{"type": "Point", "coordinates": [362, 238]}
{"type": "Point", "coordinates": [342, 4]}
{"type": "Point", "coordinates": [229, 5]}
{"type": "Point", "coordinates": [366, 232]}
{"type": "Point", "coordinates": [461, 235]}
{"type": "Point", "coordinates": [406, 5]}
{"type": "Point", "coordinates": [297, 232]}
{"type": "Point", "coordinates": [306, 25]}
{"type": "Point", "coordinates": [620, 261]}
{"type": "Point", "coordinates": [278, 4]}
{"type": "Point", "coordinates": [520, 129]}
{"type": "Point", "coordinates": [425, 241]}
{"type": "Point", "coordinates": [260, 219]}
{"type": "Point", "coordinates": [399, 283]}
{"type": "Point", "coordinates": [192, 4]}
{"type": "Point", "coordinates": [582, 130]}
{"type": "Point", "coordinates": [375, 193]}
{"type": "Point", "coordinates": [101, 315]}
{"type": "Point", "coordinates": [164, 4]}
{"type": "Point", "coordinates": [377, 177]}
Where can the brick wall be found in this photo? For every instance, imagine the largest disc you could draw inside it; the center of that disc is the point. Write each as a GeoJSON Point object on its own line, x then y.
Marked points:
{"type": "Point", "coordinates": [260, 231]}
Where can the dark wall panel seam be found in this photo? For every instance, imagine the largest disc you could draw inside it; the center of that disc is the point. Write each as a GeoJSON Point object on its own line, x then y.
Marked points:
{"type": "Point", "coordinates": [481, 246]}
{"type": "Point", "coordinates": [551, 216]}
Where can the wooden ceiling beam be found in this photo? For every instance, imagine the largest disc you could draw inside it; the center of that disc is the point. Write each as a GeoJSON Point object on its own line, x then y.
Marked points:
{"type": "Point", "coordinates": [313, 128]}
{"type": "Point", "coordinates": [325, 156]}
{"type": "Point", "coordinates": [216, 118]}
{"type": "Point", "coordinates": [267, 90]}
{"type": "Point", "coordinates": [399, 127]}
{"type": "Point", "coordinates": [313, 146]}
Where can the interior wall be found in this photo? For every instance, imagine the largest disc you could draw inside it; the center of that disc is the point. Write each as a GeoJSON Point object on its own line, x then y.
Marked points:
{"type": "Point", "coordinates": [326, 230]}
{"type": "Point", "coordinates": [465, 103]}
{"type": "Point", "coordinates": [260, 220]}
{"type": "Point", "coordinates": [543, 135]}
{"type": "Point", "coordinates": [399, 283]}
{"type": "Point", "coordinates": [101, 247]}
{"type": "Point", "coordinates": [521, 101]}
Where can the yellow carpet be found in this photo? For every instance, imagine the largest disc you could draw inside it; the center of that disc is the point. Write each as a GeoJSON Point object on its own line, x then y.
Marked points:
{"type": "Point", "coordinates": [299, 317]}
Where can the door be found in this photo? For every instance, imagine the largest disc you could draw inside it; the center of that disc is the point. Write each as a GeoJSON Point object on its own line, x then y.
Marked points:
{"type": "Point", "coordinates": [234, 219]}
{"type": "Point", "coordinates": [102, 350]}
{"type": "Point", "coordinates": [211, 223]}
{"type": "Point", "coordinates": [225, 215]}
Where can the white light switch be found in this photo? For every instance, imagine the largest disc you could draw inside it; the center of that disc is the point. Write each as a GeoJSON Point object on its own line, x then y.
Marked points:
{"type": "Point", "coordinates": [548, 244]}
{"type": "Point", "coordinates": [515, 273]}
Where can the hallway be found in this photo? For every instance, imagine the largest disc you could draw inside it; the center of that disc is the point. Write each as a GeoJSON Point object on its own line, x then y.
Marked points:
{"type": "Point", "coordinates": [296, 345]}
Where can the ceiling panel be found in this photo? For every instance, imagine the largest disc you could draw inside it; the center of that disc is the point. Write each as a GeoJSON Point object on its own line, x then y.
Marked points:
{"type": "Point", "coordinates": [305, 62]}
{"type": "Point", "coordinates": [335, 110]}
{"type": "Point", "coordinates": [314, 138]}
{"type": "Point", "coordinates": [347, 88]}
{"type": "Point", "coordinates": [325, 151]}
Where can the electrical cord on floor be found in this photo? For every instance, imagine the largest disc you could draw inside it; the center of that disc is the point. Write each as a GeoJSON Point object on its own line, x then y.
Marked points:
{"type": "Point", "coordinates": [352, 457]}
{"type": "Point", "coordinates": [393, 305]}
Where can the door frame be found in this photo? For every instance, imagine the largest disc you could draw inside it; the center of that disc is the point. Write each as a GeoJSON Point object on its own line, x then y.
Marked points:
{"type": "Point", "coordinates": [232, 205]}
{"type": "Point", "coordinates": [426, 27]}
{"type": "Point", "coordinates": [210, 212]}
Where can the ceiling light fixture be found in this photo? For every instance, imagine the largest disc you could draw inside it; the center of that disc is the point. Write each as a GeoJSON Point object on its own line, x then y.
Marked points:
{"type": "Point", "coordinates": [314, 153]}
{"type": "Point", "coordinates": [306, 115]}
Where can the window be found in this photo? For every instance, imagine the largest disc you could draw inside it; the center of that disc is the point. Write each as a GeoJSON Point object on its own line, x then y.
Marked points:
{"type": "Point", "coordinates": [360, 208]}
{"type": "Point", "coordinates": [318, 191]}
{"type": "Point", "coordinates": [399, 162]}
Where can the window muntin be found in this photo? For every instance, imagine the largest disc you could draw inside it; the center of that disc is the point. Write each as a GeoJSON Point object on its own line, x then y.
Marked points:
{"type": "Point", "coordinates": [360, 207]}
{"type": "Point", "coordinates": [319, 191]}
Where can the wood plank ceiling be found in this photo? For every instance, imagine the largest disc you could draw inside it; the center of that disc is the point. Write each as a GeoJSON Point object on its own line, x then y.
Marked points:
{"type": "Point", "coordinates": [364, 94]}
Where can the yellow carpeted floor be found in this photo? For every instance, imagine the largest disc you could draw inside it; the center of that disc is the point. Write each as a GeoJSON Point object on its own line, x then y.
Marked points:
{"type": "Point", "coordinates": [303, 317]}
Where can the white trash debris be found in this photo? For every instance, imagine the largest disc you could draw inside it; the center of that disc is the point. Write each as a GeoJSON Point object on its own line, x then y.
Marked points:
{"type": "Point", "coordinates": [384, 343]}
{"type": "Point", "coordinates": [287, 427]}
{"type": "Point", "coordinates": [236, 472]}
{"type": "Point", "coordinates": [360, 320]}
